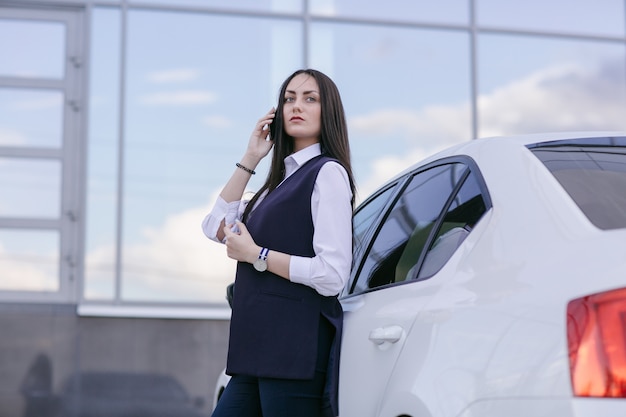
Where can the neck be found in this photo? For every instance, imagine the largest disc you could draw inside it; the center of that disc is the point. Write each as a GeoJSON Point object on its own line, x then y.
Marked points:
{"type": "Point", "coordinates": [301, 143]}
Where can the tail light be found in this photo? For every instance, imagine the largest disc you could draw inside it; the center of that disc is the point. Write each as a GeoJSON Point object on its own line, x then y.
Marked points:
{"type": "Point", "coordinates": [596, 333]}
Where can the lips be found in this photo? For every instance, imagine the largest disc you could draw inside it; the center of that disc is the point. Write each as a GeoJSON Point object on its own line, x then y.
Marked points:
{"type": "Point", "coordinates": [296, 118]}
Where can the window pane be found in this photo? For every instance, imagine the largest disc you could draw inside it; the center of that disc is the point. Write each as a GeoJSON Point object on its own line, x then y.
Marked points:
{"type": "Point", "coordinates": [405, 91]}
{"type": "Point", "coordinates": [102, 166]}
{"type": "Point", "coordinates": [442, 11]}
{"type": "Point", "coordinates": [30, 188]}
{"type": "Point", "coordinates": [604, 17]}
{"type": "Point", "coordinates": [549, 85]}
{"type": "Point", "coordinates": [191, 105]}
{"type": "Point", "coordinates": [292, 6]}
{"type": "Point", "coordinates": [464, 212]}
{"type": "Point", "coordinates": [32, 49]}
{"type": "Point", "coordinates": [367, 214]}
{"type": "Point", "coordinates": [29, 260]}
{"type": "Point", "coordinates": [412, 216]}
{"type": "Point", "coordinates": [593, 172]}
{"type": "Point", "coordinates": [18, 109]}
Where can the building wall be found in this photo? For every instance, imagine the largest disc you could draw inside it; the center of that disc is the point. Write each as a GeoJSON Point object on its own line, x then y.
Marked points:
{"type": "Point", "coordinates": [44, 348]}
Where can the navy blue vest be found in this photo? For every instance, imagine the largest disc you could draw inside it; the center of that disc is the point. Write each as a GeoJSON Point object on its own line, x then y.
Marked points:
{"type": "Point", "coordinates": [274, 323]}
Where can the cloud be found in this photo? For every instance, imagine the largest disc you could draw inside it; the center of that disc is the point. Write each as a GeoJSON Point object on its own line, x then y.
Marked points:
{"type": "Point", "coordinates": [558, 98]}
{"type": "Point", "coordinates": [10, 137]}
{"type": "Point", "coordinates": [173, 76]}
{"type": "Point", "coordinates": [179, 98]}
{"type": "Point", "coordinates": [325, 7]}
{"type": "Point", "coordinates": [173, 262]}
{"type": "Point", "coordinates": [427, 128]}
{"type": "Point", "coordinates": [384, 168]}
{"type": "Point", "coordinates": [176, 260]}
{"type": "Point", "coordinates": [28, 271]}
{"type": "Point", "coordinates": [18, 276]}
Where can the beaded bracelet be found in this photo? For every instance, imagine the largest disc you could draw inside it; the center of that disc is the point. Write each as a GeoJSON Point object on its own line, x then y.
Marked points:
{"type": "Point", "coordinates": [248, 170]}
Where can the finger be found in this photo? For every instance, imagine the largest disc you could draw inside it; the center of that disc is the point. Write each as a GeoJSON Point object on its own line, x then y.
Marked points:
{"type": "Point", "coordinates": [265, 125]}
{"type": "Point", "coordinates": [268, 118]}
{"type": "Point", "coordinates": [242, 227]}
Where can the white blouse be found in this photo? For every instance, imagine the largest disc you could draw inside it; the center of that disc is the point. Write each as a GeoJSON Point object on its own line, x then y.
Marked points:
{"type": "Point", "coordinates": [328, 271]}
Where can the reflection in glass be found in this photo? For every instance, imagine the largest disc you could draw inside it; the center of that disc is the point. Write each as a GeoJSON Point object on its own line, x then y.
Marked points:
{"type": "Point", "coordinates": [410, 221]}
{"type": "Point", "coordinates": [30, 188]}
{"type": "Point", "coordinates": [110, 393]}
{"type": "Point", "coordinates": [365, 216]}
{"type": "Point", "coordinates": [191, 104]}
{"type": "Point", "coordinates": [32, 49]}
{"type": "Point", "coordinates": [406, 92]}
{"type": "Point", "coordinates": [19, 108]}
{"type": "Point", "coordinates": [549, 85]}
{"type": "Point", "coordinates": [467, 207]}
{"type": "Point", "coordinates": [593, 174]}
{"type": "Point", "coordinates": [442, 11]}
{"type": "Point", "coordinates": [570, 16]}
{"type": "Point", "coordinates": [102, 159]}
{"type": "Point", "coordinates": [29, 260]}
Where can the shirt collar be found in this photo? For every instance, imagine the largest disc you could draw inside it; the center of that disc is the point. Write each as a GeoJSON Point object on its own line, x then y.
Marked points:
{"type": "Point", "coordinates": [296, 160]}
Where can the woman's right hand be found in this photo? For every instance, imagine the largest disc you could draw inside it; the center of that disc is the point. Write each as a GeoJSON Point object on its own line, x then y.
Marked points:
{"type": "Point", "coordinates": [260, 143]}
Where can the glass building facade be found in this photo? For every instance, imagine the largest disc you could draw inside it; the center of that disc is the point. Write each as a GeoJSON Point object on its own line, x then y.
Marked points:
{"type": "Point", "coordinates": [121, 120]}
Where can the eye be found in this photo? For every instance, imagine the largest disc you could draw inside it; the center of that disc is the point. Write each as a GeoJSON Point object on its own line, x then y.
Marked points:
{"type": "Point", "coordinates": [289, 99]}
{"type": "Point", "coordinates": [311, 99]}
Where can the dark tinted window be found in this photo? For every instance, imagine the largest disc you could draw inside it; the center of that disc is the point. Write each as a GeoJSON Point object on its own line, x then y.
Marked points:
{"type": "Point", "coordinates": [413, 216]}
{"type": "Point", "coordinates": [593, 172]}
{"type": "Point", "coordinates": [365, 216]}
{"type": "Point", "coordinates": [464, 211]}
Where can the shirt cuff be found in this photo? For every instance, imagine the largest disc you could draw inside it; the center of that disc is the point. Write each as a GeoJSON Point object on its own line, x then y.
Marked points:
{"type": "Point", "coordinates": [221, 211]}
{"type": "Point", "coordinates": [300, 270]}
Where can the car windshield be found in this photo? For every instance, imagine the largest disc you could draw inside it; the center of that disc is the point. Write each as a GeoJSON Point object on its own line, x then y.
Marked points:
{"type": "Point", "coordinates": [593, 172]}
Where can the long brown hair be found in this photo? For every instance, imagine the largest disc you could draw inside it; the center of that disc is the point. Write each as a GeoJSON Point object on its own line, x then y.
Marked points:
{"type": "Point", "coordinates": [333, 135]}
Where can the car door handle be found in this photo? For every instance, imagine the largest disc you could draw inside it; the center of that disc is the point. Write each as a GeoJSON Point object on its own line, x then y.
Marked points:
{"type": "Point", "coordinates": [389, 334]}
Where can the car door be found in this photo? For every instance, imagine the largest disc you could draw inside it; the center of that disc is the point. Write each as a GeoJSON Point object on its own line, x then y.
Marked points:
{"type": "Point", "coordinates": [379, 308]}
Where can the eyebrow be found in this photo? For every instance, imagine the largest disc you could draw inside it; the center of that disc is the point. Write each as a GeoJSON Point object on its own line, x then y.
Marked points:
{"type": "Point", "coordinates": [304, 92]}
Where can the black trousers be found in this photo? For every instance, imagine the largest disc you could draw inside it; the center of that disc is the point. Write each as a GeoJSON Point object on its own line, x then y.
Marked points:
{"type": "Point", "coordinates": [249, 396]}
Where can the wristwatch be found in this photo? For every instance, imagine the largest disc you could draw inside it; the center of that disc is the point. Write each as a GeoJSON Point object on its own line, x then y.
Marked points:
{"type": "Point", "coordinates": [261, 263]}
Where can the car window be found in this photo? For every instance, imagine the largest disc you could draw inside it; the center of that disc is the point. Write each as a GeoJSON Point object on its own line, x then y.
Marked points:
{"type": "Point", "coordinates": [365, 216]}
{"type": "Point", "coordinates": [593, 172]}
{"type": "Point", "coordinates": [364, 220]}
{"type": "Point", "coordinates": [464, 211]}
{"type": "Point", "coordinates": [412, 217]}
{"type": "Point", "coordinates": [427, 223]}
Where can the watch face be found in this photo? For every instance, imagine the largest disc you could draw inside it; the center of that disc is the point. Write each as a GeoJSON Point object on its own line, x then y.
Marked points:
{"type": "Point", "coordinates": [260, 265]}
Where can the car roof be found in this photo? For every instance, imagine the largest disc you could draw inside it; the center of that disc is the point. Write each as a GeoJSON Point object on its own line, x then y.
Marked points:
{"type": "Point", "coordinates": [475, 147]}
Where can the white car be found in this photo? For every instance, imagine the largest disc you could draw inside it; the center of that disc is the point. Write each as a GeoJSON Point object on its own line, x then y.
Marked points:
{"type": "Point", "coordinates": [490, 280]}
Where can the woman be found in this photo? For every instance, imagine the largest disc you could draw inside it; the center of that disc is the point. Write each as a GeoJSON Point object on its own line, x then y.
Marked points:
{"type": "Point", "coordinates": [293, 244]}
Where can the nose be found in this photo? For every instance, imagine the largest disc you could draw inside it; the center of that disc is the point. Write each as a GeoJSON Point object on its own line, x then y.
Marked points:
{"type": "Point", "coordinates": [296, 106]}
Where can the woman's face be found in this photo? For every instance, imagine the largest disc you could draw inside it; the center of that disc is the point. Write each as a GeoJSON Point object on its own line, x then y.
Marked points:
{"type": "Point", "coordinates": [302, 111]}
